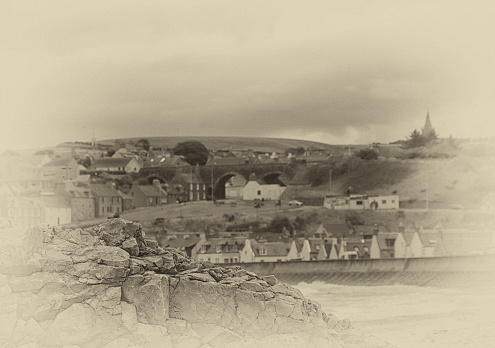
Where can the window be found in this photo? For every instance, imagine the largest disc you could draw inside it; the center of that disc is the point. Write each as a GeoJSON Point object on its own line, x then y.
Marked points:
{"type": "Point", "coordinates": [218, 249]}
{"type": "Point", "coordinates": [317, 247]}
{"type": "Point", "coordinates": [384, 201]}
{"type": "Point", "coordinates": [359, 202]}
{"type": "Point", "coordinates": [262, 251]}
{"type": "Point", "coordinates": [259, 192]}
{"type": "Point", "coordinates": [203, 250]}
{"type": "Point", "coordinates": [390, 242]}
{"type": "Point", "coordinates": [225, 260]}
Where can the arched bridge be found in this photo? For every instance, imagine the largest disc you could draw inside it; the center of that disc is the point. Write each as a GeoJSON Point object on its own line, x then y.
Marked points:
{"type": "Point", "coordinates": [216, 176]}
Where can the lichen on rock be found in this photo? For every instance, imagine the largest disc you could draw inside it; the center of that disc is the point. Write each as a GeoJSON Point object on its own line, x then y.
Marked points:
{"type": "Point", "coordinates": [110, 286]}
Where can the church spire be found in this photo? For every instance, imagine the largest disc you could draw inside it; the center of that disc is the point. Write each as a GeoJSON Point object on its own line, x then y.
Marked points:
{"type": "Point", "coordinates": [428, 128]}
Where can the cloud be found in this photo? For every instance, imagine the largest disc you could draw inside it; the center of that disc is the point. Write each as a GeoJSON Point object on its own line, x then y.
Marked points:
{"type": "Point", "coordinates": [347, 72]}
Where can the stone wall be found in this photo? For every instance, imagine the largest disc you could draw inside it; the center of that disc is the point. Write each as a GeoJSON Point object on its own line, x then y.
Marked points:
{"type": "Point", "coordinates": [110, 286]}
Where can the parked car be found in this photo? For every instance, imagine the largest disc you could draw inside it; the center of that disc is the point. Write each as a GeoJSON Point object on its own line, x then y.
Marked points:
{"type": "Point", "coordinates": [295, 202]}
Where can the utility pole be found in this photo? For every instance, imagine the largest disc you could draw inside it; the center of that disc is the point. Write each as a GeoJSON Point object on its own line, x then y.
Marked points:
{"type": "Point", "coordinates": [427, 187]}
{"type": "Point", "coordinates": [212, 188]}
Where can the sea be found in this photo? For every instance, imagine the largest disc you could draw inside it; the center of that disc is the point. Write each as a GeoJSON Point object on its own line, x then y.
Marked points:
{"type": "Point", "coordinates": [413, 316]}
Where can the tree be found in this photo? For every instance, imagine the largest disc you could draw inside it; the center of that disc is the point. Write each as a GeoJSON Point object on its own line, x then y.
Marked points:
{"type": "Point", "coordinates": [144, 143]}
{"type": "Point", "coordinates": [280, 224]}
{"type": "Point", "coordinates": [295, 150]}
{"type": "Point", "coordinates": [194, 152]}
{"type": "Point", "coordinates": [367, 154]}
{"type": "Point", "coordinates": [416, 139]}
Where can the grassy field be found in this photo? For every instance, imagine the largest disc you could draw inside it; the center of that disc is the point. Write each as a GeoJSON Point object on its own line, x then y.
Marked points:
{"type": "Point", "coordinates": [234, 143]}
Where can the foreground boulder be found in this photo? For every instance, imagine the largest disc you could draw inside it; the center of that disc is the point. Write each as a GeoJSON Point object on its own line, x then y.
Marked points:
{"type": "Point", "coordinates": [110, 286]}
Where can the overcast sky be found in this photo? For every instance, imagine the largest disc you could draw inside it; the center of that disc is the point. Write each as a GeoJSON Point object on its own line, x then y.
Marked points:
{"type": "Point", "coordinates": [338, 72]}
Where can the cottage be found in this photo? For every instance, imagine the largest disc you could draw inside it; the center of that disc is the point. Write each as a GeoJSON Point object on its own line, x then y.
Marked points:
{"type": "Point", "coordinates": [221, 250]}
{"type": "Point", "coordinates": [334, 232]}
{"type": "Point", "coordinates": [353, 244]}
{"type": "Point", "coordinates": [116, 165]}
{"type": "Point", "coordinates": [147, 195]}
{"type": "Point", "coordinates": [361, 202]}
{"type": "Point", "coordinates": [382, 245]}
{"type": "Point", "coordinates": [80, 199]}
{"type": "Point", "coordinates": [108, 201]}
{"type": "Point", "coordinates": [258, 189]}
{"type": "Point", "coordinates": [61, 169]}
{"type": "Point", "coordinates": [56, 210]}
{"type": "Point", "coordinates": [189, 184]}
{"type": "Point", "coordinates": [254, 251]}
{"type": "Point", "coordinates": [190, 243]}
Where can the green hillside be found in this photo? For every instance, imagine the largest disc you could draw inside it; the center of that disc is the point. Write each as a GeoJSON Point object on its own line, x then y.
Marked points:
{"type": "Point", "coordinates": [225, 143]}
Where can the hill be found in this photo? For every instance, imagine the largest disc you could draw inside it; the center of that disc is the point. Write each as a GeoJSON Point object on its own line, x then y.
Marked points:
{"type": "Point", "coordinates": [225, 143]}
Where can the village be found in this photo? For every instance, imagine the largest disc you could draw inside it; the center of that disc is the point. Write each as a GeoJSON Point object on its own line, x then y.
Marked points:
{"type": "Point", "coordinates": [76, 184]}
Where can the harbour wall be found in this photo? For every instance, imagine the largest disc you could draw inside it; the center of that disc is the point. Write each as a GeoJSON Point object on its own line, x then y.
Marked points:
{"type": "Point", "coordinates": [448, 271]}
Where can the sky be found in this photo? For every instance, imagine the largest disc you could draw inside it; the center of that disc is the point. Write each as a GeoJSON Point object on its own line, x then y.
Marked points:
{"type": "Point", "coordinates": [338, 72]}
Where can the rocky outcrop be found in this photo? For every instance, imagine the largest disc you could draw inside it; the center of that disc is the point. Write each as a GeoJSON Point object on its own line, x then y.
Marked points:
{"type": "Point", "coordinates": [110, 286]}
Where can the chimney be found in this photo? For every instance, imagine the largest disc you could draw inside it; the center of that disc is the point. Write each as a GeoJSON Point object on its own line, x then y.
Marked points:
{"type": "Point", "coordinates": [376, 229]}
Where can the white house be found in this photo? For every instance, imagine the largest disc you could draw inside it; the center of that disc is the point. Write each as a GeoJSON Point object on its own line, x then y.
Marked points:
{"type": "Point", "coordinates": [254, 251]}
{"type": "Point", "coordinates": [361, 202]}
{"type": "Point", "coordinates": [258, 189]}
{"type": "Point", "coordinates": [234, 187]}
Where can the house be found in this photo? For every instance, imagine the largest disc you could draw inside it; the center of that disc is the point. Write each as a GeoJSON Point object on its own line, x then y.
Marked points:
{"type": "Point", "coordinates": [467, 241]}
{"type": "Point", "coordinates": [334, 232]}
{"type": "Point", "coordinates": [255, 251]}
{"type": "Point", "coordinates": [126, 201]}
{"type": "Point", "coordinates": [295, 249]}
{"type": "Point", "coordinates": [56, 211]}
{"type": "Point", "coordinates": [382, 245]}
{"type": "Point", "coordinates": [234, 187]}
{"type": "Point", "coordinates": [116, 165]}
{"type": "Point", "coordinates": [431, 243]}
{"type": "Point", "coordinates": [189, 243]}
{"type": "Point", "coordinates": [24, 211]}
{"type": "Point", "coordinates": [108, 200]}
{"type": "Point", "coordinates": [189, 184]}
{"type": "Point", "coordinates": [402, 245]}
{"type": "Point", "coordinates": [80, 199]}
{"type": "Point", "coordinates": [361, 202]}
{"type": "Point", "coordinates": [221, 250]}
{"type": "Point", "coordinates": [61, 169]}
{"type": "Point", "coordinates": [383, 202]}
{"type": "Point", "coordinates": [147, 195]}
{"type": "Point", "coordinates": [313, 249]}
{"type": "Point", "coordinates": [353, 244]}
{"type": "Point", "coordinates": [258, 189]}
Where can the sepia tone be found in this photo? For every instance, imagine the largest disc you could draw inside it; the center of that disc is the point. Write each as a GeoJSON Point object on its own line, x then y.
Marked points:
{"type": "Point", "coordinates": [247, 174]}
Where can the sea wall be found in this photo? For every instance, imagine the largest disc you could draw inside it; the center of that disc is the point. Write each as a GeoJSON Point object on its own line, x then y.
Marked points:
{"type": "Point", "coordinates": [448, 271]}
{"type": "Point", "coordinates": [110, 286]}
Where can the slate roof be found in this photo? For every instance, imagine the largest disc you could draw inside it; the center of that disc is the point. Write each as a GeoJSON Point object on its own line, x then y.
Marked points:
{"type": "Point", "coordinates": [103, 190]}
{"type": "Point", "coordinates": [382, 240]}
{"type": "Point", "coordinates": [54, 202]}
{"type": "Point", "coordinates": [180, 241]}
{"type": "Point", "coordinates": [151, 191]}
{"type": "Point", "coordinates": [272, 248]}
{"type": "Point", "coordinates": [111, 162]}
{"type": "Point", "coordinates": [227, 245]}
{"type": "Point", "coordinates": [60, 161]}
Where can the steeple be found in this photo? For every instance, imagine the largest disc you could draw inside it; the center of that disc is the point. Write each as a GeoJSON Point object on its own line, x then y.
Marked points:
{"type": "Point", "coordinates": [428, 128]}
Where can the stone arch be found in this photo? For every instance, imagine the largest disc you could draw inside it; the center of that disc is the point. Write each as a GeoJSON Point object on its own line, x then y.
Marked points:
{"type": "Point", "coordinates": [219, 188]}
{"type": "Point", "coordinates": [149, 179]}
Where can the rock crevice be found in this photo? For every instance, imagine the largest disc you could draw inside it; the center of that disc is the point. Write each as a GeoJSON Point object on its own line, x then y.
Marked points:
{"type": "Point", "coordinates": [111, 286]}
